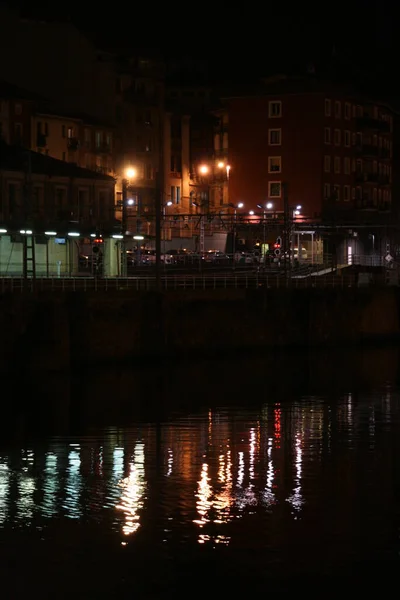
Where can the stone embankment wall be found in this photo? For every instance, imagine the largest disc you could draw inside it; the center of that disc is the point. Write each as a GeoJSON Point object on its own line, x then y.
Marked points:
{"type": "Point", "coordinates": [59, 331]}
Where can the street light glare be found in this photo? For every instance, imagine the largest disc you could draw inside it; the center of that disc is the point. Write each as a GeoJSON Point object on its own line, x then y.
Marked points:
{"type": "Point", "coordinates": [203, 169]}
{"type": "Point", "coordinates": [169, 203]}
{"type": "Point", "coordinates": [221, 164]}
{"type": "Point", "coordinates": [130, 202]}
{"type": "Point", "coordinates": [269, 205]}
{"type": "Point", "coordinates": [251, 212]}
{"type": "Point", "coordinates": [298, 207]}
{"type": "Point", "coordinates": [130, 173]}
{"type": "Point", "coordinates": [240, 205]}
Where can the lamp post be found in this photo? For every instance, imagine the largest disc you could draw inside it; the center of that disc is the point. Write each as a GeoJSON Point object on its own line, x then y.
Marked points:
{"type": "Point", "coordinates": [130, 173]}
{"type": "Point", "coordinates": [235, 207]}
{"type": "Point", "coordinates": [164, 209]}
{"type": "Point", "coordinates": [268, 206]}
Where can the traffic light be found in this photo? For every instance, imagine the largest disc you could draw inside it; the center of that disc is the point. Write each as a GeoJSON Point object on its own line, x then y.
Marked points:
{"type": "Point", "coordinates": [277, 246]}
{"type": "Point", "coordinates": [96, 245]}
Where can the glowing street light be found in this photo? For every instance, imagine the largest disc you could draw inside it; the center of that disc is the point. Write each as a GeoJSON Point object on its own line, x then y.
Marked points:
{"type": "Point", "coordinates": [269, 205]}
{"type": "Point", "coordinates": [203, 169]}
{"type": "Point", "coordinates": [298, 207]}
{"type": "Point", "coordinates": [131, 173]}
{"type": "Point", "coordinates": [240, 205]}
{"type": "Point", "coordinates": [169, 203]}
{"type": "Point", "coordinates": [221, 165]}
{"type": "Point", "coordinates": [251, 212]}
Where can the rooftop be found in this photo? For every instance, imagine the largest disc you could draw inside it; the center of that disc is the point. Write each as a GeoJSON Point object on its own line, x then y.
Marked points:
{"type": "Point", "coordinates": [16, 158]}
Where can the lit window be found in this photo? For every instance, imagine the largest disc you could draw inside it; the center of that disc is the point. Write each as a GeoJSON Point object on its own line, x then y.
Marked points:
{"type": "Point", "coordinates": [275, 109]}
{"type": "Point", "coordinates": [274, 189]}
{"type": "Point", "coordinates": [274, 137]}
{"type": "Point", "coordinates": [274, 164]}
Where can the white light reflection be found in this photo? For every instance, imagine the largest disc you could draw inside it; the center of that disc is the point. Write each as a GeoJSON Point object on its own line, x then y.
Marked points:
{"type": "Point", "coordinates": [296, 499]}
{"type": "Point", "coordinates": [269, 496]}
{"type": "Point", "coordinates": [4, 489]}
{"type": "Point", "coordinates": [133, 490]}
{"type": "Point", "coordinates": [371, 427]}
{"type": "Point", "coordinates": [118, 462]}
{"type": "Point", "coordinates": [252, 455]}
{"type": "Point", "coordinates": [240, 476]}
{"type": "Point", "coordinates": [50, 485]}
{"type": "Point", "coordinates": [170, 462]}
{"type": "Point", "coordinates": [26, 487]}
{"type": "Point", "coordinates": [73, 483]}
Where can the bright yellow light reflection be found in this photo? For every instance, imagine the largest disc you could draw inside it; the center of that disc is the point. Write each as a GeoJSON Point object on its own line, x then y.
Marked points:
{"type": "Point", "coordinates": [221, 165]}
{"type": "Point", "coordinates": [133, 489]}
{"type": "Point", "coordinates": [214, 505]}
{"type": "Point", "coordinates": [203, 169]}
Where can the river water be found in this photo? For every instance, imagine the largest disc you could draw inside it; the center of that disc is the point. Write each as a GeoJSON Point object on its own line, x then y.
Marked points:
{"type": "Point", "coordinates": [237, 476]}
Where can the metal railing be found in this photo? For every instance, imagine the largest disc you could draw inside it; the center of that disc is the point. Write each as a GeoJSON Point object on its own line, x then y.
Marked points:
{"type": "Point", "coordinates": [198, 282]}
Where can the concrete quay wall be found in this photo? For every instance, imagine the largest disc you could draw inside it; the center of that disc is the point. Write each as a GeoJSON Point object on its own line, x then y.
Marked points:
{"type": "Point", "coordinates": [59, 331]}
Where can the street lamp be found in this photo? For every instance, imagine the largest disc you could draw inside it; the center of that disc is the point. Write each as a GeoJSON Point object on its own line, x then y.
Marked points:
{"type": "Point", "coordinates": [130, 174]}
{"type": "Point", "coordinates": [268, 206]}
{"type": "Point", "coordinates": [203, 169]}
{"type": "Point", "coordinates": [235, 207]}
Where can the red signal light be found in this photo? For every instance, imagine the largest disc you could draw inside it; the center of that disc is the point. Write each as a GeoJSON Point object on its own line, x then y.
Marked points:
{"type": "Point", "coordinates": [277, 245]}
{"type": "Point", "coordinates": [98, 241]}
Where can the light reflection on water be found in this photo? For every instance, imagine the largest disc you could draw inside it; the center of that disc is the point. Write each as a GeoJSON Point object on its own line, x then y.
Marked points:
{"type": "Point", "coordinates": [209, 478]}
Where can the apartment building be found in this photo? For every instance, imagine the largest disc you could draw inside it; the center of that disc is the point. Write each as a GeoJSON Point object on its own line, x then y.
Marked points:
{"type": "Point", "coordinates": [80, 140]}
{"type": "Point", "coordinates": [330, 146]}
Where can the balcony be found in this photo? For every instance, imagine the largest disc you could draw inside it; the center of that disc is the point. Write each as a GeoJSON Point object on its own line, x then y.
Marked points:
{"type": "Point", "coordinates": [103, 148]}
{"type": "Point", "coordinates": [41, 140]}
{"type": "Point", "coordinates": [366, 204]}
{"type": "Point", "coordinates": [73, 144]}
{"type": "Point", "coordinates": [367, 150]}
{"type": "Point", "coordinates": [367, 122]}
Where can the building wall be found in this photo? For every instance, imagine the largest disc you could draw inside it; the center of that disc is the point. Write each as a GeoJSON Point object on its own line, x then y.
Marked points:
{"type": "Point", "coordinates": [58, 63]}
{"type": "Point", "coordinates": [55, 199]}
{"type": "Point", "coordinates": [15, 125]}
{"type": "Point", "coordinates": [332, 151]}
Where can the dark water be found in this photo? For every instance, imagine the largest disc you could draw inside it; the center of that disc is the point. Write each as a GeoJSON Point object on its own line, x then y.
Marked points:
{"type": "Point", "coordinates": [278, 475]}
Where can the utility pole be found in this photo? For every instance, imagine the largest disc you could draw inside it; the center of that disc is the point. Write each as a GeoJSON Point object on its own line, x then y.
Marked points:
{"type": "Point", "coordinates": [158, 211]}
{"type": "Point", "coordinates": [286, 231]}
{"type": "Point", "coordinates": [29, 262]}
{"type": "Point", "coordinates": [124, 258]}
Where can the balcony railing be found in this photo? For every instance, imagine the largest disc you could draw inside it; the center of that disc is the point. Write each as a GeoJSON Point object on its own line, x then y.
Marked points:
{"type": "Point", "coordinates": [367, 122]}
{"type": "Point", "coordinates": [103, 148]}
{"type": "Point", "coordinates": [41, 140]}
{"type": "Point", "coordinates": [73, 144]}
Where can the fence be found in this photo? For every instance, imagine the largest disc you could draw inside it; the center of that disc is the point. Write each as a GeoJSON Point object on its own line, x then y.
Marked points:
{"type": "Point", "coordinates": [198, 282]}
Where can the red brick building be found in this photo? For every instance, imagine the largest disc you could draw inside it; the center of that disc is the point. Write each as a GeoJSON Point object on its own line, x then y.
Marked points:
{"type": "Point", "coordinates": [332, 148]}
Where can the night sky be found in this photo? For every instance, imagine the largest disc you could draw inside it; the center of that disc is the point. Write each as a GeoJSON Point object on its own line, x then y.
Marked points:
{"type": "Point", "coordinates": [248, 37]}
